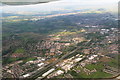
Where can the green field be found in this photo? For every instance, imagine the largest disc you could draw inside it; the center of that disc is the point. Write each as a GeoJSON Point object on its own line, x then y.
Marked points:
{"type": "Point", "coordinates": [94, 66]}
{"type": "Point", "coordinates": [19, 50]}
{"type": "Point", "coordinates": [98, 74]}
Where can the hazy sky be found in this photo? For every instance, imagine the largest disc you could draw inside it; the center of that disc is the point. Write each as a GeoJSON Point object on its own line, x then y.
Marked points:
{"type": "Point", "coordinates": [111, 5]}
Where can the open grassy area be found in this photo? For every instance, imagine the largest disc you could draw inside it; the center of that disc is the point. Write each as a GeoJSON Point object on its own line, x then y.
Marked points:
{"type": "Point", "coordinates": [10, 60]}
{"type": "Point", "coordinates": [113, 63]}
{"type": "Point", "coordinates": [98, 74]}
{"type": "Point", "coordinates": [95, 66]}
{"type": "Point", "coordinates": [65, 33]}
{"type": "Point", "coordinates": [29, 59]}
{"type": "Point", "coordinates": [19, 50]}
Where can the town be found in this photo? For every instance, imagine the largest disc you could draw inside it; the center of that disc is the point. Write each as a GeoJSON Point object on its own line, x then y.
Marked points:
{"type": "Point", "coordinates": [96, 48]}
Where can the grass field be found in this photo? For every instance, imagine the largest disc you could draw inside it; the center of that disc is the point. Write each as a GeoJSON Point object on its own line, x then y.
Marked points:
{"type": "Point", "coordinates": [19, 50]}
{"type": "Point", "coordinates": [98, 74]}
{"type": "Point", "coordinates": [95, 66]}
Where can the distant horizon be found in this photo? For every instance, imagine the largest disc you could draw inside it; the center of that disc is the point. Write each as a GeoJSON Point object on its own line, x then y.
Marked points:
{"type": "Point", "coordinates": [60, 5]}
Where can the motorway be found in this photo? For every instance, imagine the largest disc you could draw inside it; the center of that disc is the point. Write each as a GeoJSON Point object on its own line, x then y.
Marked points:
{"type": "Point", "coordinates": [49, 66]}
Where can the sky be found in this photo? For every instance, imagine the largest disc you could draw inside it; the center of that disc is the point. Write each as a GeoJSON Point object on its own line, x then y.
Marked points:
{"type": "Point", "coordinates": [110, 5]}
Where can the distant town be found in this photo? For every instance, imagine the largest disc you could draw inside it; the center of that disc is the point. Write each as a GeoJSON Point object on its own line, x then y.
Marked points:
{"type": "Point", "coordinates": [72, 45]}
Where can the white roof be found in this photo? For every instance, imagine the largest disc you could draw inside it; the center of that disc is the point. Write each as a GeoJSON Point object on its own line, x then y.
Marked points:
{"type": "Point", "coordinates": [60, 72]}
{"type": "Point", "coordinates": [48, 72]}
{"type": "Point", "coordinates": [92, 57]}
{"type": "Point", "coordinates": [30, 61]}
{"type": "Point", "coordinates": [95, 55]}
{"type": "Point", "coordinates": [78, 59]}
{"type": "Point", "coordinates": [40, 64]}
{"type": "Point", "coordinates": [42, 59]}
{"type": "Point", "coordinates": [26, 75]}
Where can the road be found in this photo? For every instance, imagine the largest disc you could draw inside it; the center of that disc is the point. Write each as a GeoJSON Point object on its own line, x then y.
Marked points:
{"type": "Point", "coordinates": [48, 67]}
